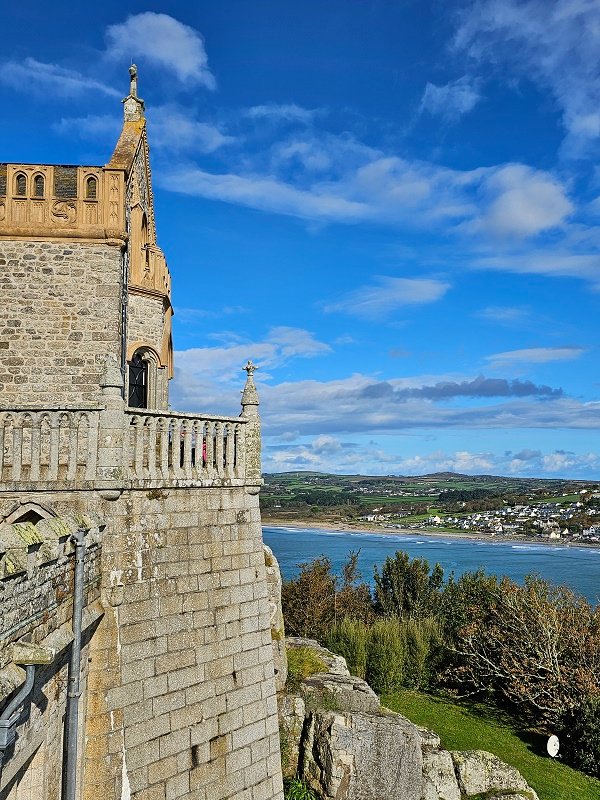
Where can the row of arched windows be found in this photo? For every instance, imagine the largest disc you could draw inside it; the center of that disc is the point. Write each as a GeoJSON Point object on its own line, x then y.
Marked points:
{"type": "Point", "coordinates": [38, 187]}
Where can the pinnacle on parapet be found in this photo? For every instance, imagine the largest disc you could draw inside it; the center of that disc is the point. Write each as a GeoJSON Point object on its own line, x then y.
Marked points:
{"type": "Point", "coordinates": [250, 394]}
{"type": "Point", "coordinates": [133, 106]}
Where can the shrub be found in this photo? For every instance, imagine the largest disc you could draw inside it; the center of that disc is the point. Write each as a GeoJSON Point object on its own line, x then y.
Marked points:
{"type": "Point", "coordinates": [422, 651]}
{"type": "Point", "coordinates": [302, 662]}
{"type": "Point", "coordinates": [579, 735]}
{"type": "Point", "coordinates": [296, 789]}
{"type": "Point", "coordinates": [385, 656]}
{"type": "Point", "coordinates": [349, 639]}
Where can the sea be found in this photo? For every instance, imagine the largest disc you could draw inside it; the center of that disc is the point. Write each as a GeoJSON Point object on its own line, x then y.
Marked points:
{"type": "Point", "coordinates": [575, 567]}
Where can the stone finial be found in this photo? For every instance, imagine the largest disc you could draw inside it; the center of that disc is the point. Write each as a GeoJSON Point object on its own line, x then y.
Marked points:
{"type": "Point", "coordinates": [133, 106]}
{"type": "Point", "coordinates": [112, 376]}
{"type": "Point", "coordinates": [133, 80]}
{"type": "Point", "coordinates": [249, 395]}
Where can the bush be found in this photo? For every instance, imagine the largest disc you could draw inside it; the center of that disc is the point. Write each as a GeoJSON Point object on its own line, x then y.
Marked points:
{"type": "Point", "coordinates": [422, 651]}
{"type": "Point", "coordinates": [385, 656]}
{"type": "Point", "coordinates": [302, 662]}
{"type": "Point", "coordinates": [349, 639]}
{"type": "Point", "coordinates": [579, 735]}
{"type": "Point", "coordinates": [314, 601]}
{"type": "Point", "coordinates": [296, 789]}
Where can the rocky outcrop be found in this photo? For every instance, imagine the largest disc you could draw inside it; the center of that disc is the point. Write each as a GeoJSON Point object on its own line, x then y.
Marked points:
{"type": "Point", "coordinates": [479, 772]}
{"type": "Point", "coordinates": [277, 628]}
{"type": "Point", "coordinates": [362, 756]}
{"type": "Point", "coordinates": [340, 741]}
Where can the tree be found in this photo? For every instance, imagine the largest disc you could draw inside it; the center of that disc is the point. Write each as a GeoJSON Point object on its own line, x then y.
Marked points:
{"type": "Point", "coordinates": [312, 602]}
{"type": "Point", "coordinates": [535, 646]}
{"type": "Point", "coordinates": [407, 587]}
{"type": "Point", "coordinates": [308, 601]}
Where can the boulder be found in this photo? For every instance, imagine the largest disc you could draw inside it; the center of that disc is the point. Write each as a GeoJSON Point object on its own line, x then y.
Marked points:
{"type": "Point", "coordinates": [439, 777]}
{"type": "Point", "coordinates": [277, 628]}
{"type": "Point", "coordinates": [339, 692]}
{"type": "Point", "coordinates": [336, 665]}
{"type": "Point", "coordinates": [357, 756]}
{"type": "Point", "coordinates": [479, 772]}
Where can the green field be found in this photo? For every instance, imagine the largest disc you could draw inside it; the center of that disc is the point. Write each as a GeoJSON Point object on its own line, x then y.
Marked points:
{"type": "Point", "coordinates": [463, 727]}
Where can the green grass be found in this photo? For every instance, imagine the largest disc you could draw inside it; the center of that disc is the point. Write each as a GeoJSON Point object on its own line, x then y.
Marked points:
{"type": "Point", "coordinates": [478, 727]}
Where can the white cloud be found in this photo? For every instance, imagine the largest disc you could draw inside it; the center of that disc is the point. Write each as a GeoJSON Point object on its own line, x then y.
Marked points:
{"type": "Point", "coordinates": [336, 455]}
{"type": "Point", "coordinates": [282, 112]}
{"type": "Point", "coordinates": [535, 355]}
{"type": "Point", "coordinates": [523, 201]}
{"type": "Point", "coordinates": [506, 315]}
{"type": "Point", "coordinates": [164, 41]}
{"type": "Point", "coordinates": [554, 44]}
{"type": "Point", "coordinates": [552, 263]}
{"type": "Point", "coordinates": [452, 100]}
{"type": "Point", "coordinates": [175, 129]}
{"type": "Point", "coordinates": [37, 77]}
{"type": "Point", "coordinates": [373, 302]}
{"type": "Point", "coordinates": [101, 127]}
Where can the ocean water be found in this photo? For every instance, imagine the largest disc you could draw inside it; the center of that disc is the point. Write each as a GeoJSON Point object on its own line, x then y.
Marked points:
{"type": "Point", "coordinates": [575, 567]}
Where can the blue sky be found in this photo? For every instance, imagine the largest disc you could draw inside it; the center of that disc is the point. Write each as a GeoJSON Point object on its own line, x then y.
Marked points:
{"type": "Point", "coordinates": [392, 207]}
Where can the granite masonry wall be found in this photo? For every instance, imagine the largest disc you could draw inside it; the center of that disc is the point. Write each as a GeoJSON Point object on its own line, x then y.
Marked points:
{"type": "Point", "coordinates": [180, 695]}
{"type": "Point", "coordinates": [59, 317]}
{"type": "Point", "coordinates": [147, 323]}
{"type": "Point", "coordinates": [189, 709]}
{"type": "Point", "coordinates": [36, 596]}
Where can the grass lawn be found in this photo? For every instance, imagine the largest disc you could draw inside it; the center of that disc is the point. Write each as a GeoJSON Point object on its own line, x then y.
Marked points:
{"type": "Point", "coordinates": [463, 727]}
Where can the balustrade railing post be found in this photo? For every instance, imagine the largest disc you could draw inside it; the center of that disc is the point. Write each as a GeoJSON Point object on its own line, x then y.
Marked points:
{"type": "Point", "coordinates": [110, 472]}
{"type": "Point", "coordinates": [252, 438]}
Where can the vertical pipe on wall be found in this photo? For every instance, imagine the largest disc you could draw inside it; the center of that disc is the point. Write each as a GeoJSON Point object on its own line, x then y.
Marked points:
{"type": "Point", "coordinates": [74, 690]}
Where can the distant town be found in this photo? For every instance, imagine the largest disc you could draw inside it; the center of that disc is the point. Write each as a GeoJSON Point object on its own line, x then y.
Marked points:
{"type": "Point", "coordinates": [483, 505]}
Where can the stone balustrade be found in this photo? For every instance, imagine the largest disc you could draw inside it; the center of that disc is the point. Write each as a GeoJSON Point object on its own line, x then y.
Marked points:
{"type": "Point", "coordinates": [40, 447]}
{"type": "Point", "coordinates": [184, 449]}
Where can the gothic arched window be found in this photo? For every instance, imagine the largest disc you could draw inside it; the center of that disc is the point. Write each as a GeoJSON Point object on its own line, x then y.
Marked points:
{"type": "Point", "coordinates": [138, 381]}
{"type": "Point", "coordinates": [20, 184]}
{"type": "Point", "coordinates": [38, 186]}
{"type": "Point", "coordinates": [91, 189]}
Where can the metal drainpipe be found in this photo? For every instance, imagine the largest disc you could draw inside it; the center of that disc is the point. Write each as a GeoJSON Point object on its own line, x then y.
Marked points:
{"type": "Point", "coordinates": [124, 303]}
{"type": "Point", "coordinates": [74, 691]}
{"type": "Point", "coordinates": [10, 715]}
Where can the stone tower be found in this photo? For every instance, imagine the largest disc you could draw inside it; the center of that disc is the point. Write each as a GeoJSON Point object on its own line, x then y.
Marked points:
{"type": "Point", "coordinates": [135, 646]}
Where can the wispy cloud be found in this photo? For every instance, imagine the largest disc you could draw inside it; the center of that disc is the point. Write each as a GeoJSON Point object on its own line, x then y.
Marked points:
{"type": "Point", "coordinates": [535, 355]}
{"type": "Point", "coordinates": [162, 40]}
{"type": "Point", "coordinates": [373, 302]}
{"type": "Point", "coordinates": [37, 77]}
{"type": "Point", "coordinates": [504, 315]}
{"type": "Point", "coordinates": [282, 112]}
{"type": "Point", "coordinates": [554, 44]}
{"type": "Point", "coordinates": [452, 100]}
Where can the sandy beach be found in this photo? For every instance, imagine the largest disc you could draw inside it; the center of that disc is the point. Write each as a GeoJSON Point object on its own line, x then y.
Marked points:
{"type": "Point", "coordinates": [462, 536]}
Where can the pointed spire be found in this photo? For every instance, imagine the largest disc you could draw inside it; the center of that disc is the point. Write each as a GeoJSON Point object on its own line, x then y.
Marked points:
{"type": "Point", "coordinates": [133, 106]}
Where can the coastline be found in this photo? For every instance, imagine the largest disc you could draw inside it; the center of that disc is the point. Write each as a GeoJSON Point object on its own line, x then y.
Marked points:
{"type": "Point", "coordinates": [340, 527]}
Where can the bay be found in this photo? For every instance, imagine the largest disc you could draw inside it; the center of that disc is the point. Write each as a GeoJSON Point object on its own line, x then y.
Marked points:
{"type": "Point", "coordinates": [575, 567]}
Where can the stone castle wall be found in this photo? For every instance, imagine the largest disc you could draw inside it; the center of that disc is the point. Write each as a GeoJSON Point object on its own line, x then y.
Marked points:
{"type": "Point", "coordinates": [36, 596]}
{"type": "Point", "coordinates": [180, 696]}
{"type": "Point", "coordinates": [60, 315]}
{"type": "Point", "coordinates": [193, 696]}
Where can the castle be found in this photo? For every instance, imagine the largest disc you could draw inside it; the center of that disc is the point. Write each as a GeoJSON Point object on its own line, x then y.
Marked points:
{"type": "Point", "coordinates": [135, 646]}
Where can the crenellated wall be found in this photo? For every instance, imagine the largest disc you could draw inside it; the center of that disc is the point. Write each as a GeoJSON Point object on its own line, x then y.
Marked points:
{"type": "Point", "coordinates": [36, 596]}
